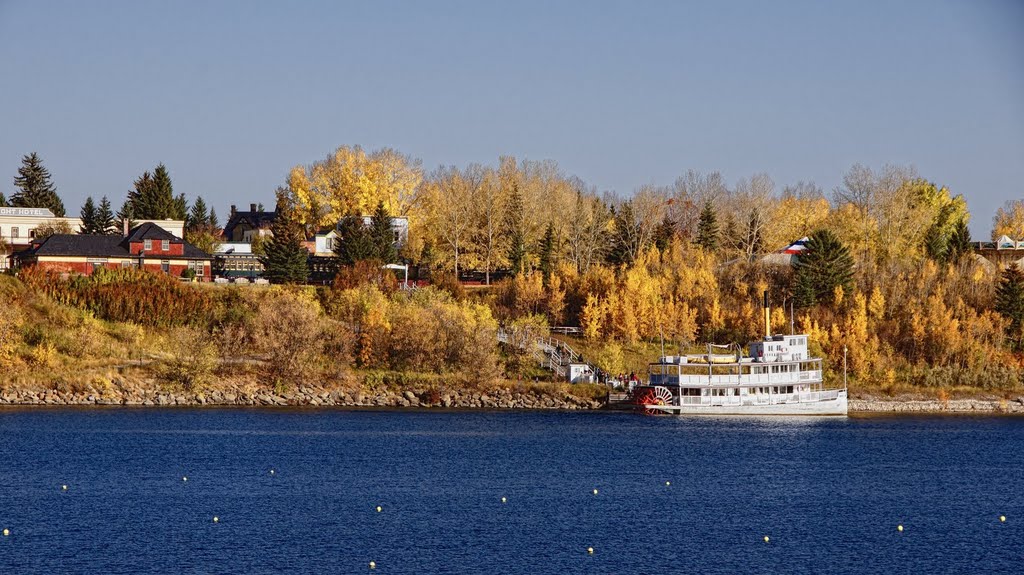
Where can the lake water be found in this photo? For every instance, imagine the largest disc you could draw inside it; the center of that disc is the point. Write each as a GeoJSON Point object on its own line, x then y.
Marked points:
{"type": "Point", "coordinates": [828, 492]}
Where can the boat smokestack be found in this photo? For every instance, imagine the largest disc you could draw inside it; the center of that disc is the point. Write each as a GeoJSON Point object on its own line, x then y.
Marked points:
{"type": "Point", "coordinates": [767, 317]}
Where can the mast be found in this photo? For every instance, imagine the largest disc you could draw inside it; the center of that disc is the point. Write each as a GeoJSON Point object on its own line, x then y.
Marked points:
{"type": "Point", "coordinates": [767, 317]}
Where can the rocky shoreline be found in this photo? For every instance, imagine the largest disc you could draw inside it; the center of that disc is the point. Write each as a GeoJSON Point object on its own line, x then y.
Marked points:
{"type": "Point", "coordinates": [304, 397]}
{"type": "Point", "coordinates": [501, 398]}
{"type": "Point", "coordinates": [961, 406]}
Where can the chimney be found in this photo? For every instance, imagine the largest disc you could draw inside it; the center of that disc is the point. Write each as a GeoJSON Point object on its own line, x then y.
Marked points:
{"type": "Point", "coordinates": [252, 207]}
{"type": "Point", "coordinates": [124, 224]}
{"type": "Point", "coordinates": [232, 210]}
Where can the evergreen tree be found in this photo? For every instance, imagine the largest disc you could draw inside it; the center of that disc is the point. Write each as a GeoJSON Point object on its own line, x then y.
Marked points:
{"type": "Point", "coordinates": [936, 244]}
{"type": "Point", "coordinates": [105, 223]}
{"type": "Point", "coordinates": [285, 260]}
{"type": "Point", "coordinates": [1010, 304]}
{"type": "Point", "coordinates": [179, 207]}
{"type": "Point", "coordinates": [198, 219]}
{"type": "Point", "coordinates": [356, 244]}
{"type": "Point", "coordinates": [547, 253]}
{"type": "Point", "coordinates": [707, 228]}
{"type": "Point", "coordinates": [824, 265]}
{"type": "Point", "coordinates": [959, 244]}
{"type": "Point", "coordinates": [3, 201]}
{"type": "Point", "coordinates": [383, 235]}
{"type": "Point", "coordinates": [626, 237]}
{"type": "Point", "coordinates": [153, 197]}
{"type": "Point", "coordinates": [212, 221]}
{"type": "Point", "coordinates": [515, 231]}
{"type": "Point", "coordinates": [88, 215]}
{"type": "Point", "coordinates": [126, 215]}
{"type": "Point", "coordinates": [35, 190]}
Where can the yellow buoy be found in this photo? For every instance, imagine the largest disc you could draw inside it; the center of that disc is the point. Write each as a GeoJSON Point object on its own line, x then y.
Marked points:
{"type": "Point", "coordinates": [373, 565]}
{"type": "Point", "coordinates": [503, 500]}
{"type": "Point", "coordinates": [379, 509]}
{"type": "Point", "coordinates": [595, 492]}
{"type": "Point", "coordinates": [64, 487]}
{"type": "Point", "coordinates": [1002, 519]}
{"type": "Point", "coordinates": [766, 539]}
{"type": "Point", "coordinates": [216, 519]}
{"type": "Point", "coordinates": [6, 533]}
{"type": "Point", "coordinates": [590, 550]}
{"type": "Point", "coordinates": [899, 528]}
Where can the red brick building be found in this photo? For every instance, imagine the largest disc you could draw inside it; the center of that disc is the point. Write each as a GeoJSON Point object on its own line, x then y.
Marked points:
{"type": "Point", "coordinates": [147, 246]}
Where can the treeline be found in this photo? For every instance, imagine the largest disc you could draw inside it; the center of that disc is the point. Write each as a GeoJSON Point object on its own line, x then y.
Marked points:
{"type": "Point", "coordinates": [151, 197]}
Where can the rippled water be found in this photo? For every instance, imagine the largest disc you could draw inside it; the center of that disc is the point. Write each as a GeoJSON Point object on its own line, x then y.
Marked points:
{"type": "Point", "coordinates": [828, 492]}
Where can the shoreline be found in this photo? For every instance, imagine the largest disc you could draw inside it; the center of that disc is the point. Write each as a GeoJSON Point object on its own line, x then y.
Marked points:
{"type": "Point", "coordinates": [427, 400]}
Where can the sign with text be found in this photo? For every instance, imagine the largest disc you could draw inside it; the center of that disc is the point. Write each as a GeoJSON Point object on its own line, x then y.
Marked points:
{"type": "Point", "coordinates": [36, 212]}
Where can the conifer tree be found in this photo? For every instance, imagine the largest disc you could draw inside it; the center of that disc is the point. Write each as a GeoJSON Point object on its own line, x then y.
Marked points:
{"type": "Point", "coordinates": [1010, 304]}
{"type": "Point", "coordinates": [105, 223]}
{"type": "Point", "coordinates": [383, 235]}
{"type": "Point", "coordinates": [35, 190]}
{"type": "Point", "coordinates": [547, 253]}
{"type": "Point", "coordinates": [198, 219]}
{"type": "Point", "coordinates": [212, 221]}
{"type": "Point", "coordinates": [88, 216]}
{"type": "Point", "coordinates": [515, 231]}
{"type": "Point", "coordinates": [936, 245]}
{"type": "Point", "coordinates": [285, 260]}
{"type": "Point", "coordinates": [153, 197]}
{"type": "Point", "coordinates": [707, 228]}
{"type": "Point", "coordinates": [356, 244]}
{"type": "Point", "coordinates": [824, 265]}
{"type": "Point", "coordinates": [3, 201]}
{"type": "Point", "coordinates": [126, 215]}
{"type": "Point", "coordinates": [959, 243]}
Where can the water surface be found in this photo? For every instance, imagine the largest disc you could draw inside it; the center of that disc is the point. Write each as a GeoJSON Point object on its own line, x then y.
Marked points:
{"type": "Point", "coordinates": [829, 492]}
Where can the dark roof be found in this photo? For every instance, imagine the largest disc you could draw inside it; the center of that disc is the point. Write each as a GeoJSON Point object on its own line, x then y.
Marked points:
{"type": "Point", "coordinates": [108, 246]}
{"type": "Point", "coordinates": [151, 231]}
{"type": "Point", "coordinates": [79, 245]}
{"type": "Point", "coordinates": [256, 219]}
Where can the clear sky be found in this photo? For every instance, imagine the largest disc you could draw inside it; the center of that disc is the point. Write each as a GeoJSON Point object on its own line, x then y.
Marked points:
{"type": "Point", "coordinates": [231, 95]}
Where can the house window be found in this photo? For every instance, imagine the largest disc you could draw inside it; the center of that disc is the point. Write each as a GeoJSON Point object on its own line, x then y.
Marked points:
{"type": "Point", "coordinates": [165, 245]}
{"type": "Point", "coordinates": [165, 265]}
{"type": "Point", "coordinates": [147, 245]}
{"type": "Point", "coordinates": [14, 233]}
{"type": "Point", "coordinates": [126, 264]}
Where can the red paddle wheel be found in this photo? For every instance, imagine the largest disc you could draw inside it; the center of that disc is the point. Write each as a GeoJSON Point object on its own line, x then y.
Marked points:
{"type": "Point", "coordinates": [647, 397]}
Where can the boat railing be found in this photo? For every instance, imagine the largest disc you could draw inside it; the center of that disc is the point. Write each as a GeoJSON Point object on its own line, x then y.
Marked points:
{"type": "Point", "coordinates": [737, 379]}
{"type": "Point", "coordinates": [761, 399]}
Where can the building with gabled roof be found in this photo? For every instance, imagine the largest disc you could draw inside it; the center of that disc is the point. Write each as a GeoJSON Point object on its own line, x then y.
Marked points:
{"type": "Point", "coordinates": [147, 246]}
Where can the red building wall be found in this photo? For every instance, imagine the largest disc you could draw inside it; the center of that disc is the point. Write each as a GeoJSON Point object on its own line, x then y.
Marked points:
{"type": "Point", "coordinates": [84, 268]}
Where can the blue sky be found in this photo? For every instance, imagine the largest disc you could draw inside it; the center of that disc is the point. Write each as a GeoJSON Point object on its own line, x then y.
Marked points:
{"type": "Point", "coordinates": [231, 95]}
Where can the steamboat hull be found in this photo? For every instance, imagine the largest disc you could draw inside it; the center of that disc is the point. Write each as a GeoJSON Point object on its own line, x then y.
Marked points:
{"type": "Point", "coordinates": [835, 406]}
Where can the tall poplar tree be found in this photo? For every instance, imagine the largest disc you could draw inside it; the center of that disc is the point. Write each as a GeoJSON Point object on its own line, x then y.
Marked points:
{"type": "Point", "coordinates": [35, 190]}
{"type": "Point", "coordinates": [285, 260]}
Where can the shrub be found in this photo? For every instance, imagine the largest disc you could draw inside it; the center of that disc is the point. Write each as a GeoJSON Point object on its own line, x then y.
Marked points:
{"type": "Point", "coordinates": [287, 330]}
{"type": "Point", "coordinates": [193, 358]}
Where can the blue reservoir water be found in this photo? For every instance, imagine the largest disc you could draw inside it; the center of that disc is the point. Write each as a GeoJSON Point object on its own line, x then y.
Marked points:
{"type": "Point", "coordinates": [829, 493]}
